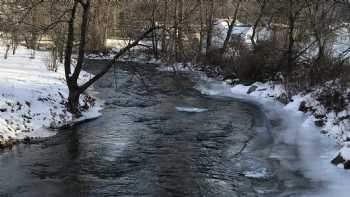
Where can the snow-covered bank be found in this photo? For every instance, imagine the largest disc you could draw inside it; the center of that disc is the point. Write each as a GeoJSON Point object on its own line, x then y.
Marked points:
{"type": "Point", "coordinates": [32, 98]}
{"type": "Point", "coordinates": [332, 123]}
{"type": "Point", "coordinates": [320, 120]}
{"type": "Point", "coordinates": [315, 151]}
{"type": "Point", "coordinates": [297, 129]}
{"type": "Point", "coordinates": [335, 124]}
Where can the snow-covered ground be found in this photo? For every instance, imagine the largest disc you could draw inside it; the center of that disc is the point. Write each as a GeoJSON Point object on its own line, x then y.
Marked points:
{"type": "Point", "coordinates": [335, 124]}
{"type": "Point", "coordinates": [32, 98]}
{"type": "Point", "coordinates": [316, 151]}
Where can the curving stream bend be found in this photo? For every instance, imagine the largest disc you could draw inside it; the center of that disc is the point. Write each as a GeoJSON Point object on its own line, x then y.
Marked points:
{"type": "Point", "coordinates": [144, 146]}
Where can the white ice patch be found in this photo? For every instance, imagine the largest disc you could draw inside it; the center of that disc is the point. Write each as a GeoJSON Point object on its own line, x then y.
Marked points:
{"type": "Point", "coordinates": [191, 109]}
{"type": "Point", "coordinates": [257, 174]}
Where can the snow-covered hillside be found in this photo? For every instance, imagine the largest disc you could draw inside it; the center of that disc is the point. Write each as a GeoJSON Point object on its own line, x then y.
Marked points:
{"type": "Point", "coordinates": [32, 98]}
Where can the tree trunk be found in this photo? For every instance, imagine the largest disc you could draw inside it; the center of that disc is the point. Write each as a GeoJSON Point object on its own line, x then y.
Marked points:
{"type": "Point", "coordinates": [74, 89]}
{"type": "Point", "coordinates": [257, 21]}
{"type": "Point", "coordinates": [180, 31]}
{"type": "Point", "coordinates": [74, 92]}
{"type": "Point", "coordinates": [210, 18]}
{"type": "Point", "coordinates": [73, 101]}
{"type": "Point", "coordinates": [290, 58]}
{"type": "Point", "coordinates": [164, 33]}
{"type": "Point", "coordinates": [154, 34]}
{"type": "Point", "coordinates": [230, 29]}
{"type": "Point", "coordinates": [201, 33]}
{"type": "Point", "coordinates": [255, 26]}
{"type": "Point", "coordinates": [174, 41]}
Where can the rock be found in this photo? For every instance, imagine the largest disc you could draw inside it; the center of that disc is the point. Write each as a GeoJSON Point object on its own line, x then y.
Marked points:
{"type": "Point", "coordinates": [338, 160]}
{"type": "Point", "coordinates": [28, 103]}
{"type": "Point", "coordinates": [320, 123]}
{"type": "Point", "coordinates": [283, 98]}
{"type": "Point", "coordinates": [26, 140]}
{"type": "Point", "coordinates": [319, 116]}
{"type": "Point", "coordinates": [347, 165]}
{"type": "Point", "coordinates": [53, 125]}
{"type": "Point", "coordinates": [3, 110]}
{"type": "Point", "coordinates": [252, 89]}
{"type": "Point", "coordinates": [302, 107]}
{"type": "Point", "coordinates": [324, 132]}
{"type": "Point", "coordinates": [343, 158]}
{"type": "Point", "coordinates": [231, 79]}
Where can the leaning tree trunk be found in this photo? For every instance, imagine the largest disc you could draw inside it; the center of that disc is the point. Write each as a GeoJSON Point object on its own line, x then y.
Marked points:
{"type": "Point", "coordinates": [230, 29]}
{"type": "Point", "coordinates": [76, 90]}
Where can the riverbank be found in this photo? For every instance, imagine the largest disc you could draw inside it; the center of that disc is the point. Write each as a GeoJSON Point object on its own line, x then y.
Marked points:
{"type": "Point", "coordinates": [32, 98]}
{"type": "Point", "coordinates": [316, 105]}
{"type": "Point", "coordinates": [164, 135]}
{"type": "Point", "coordinates": [297, 128]}
{"type": "Point", "coordinates": [326, 107]}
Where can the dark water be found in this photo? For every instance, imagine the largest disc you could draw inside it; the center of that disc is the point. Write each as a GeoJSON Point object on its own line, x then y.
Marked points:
{"type": "Point", "coordinates": [143, 146]}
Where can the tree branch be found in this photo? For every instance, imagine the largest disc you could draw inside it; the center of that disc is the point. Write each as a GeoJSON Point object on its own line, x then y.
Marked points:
{"type": "Point", "coordinates": [115, 59]}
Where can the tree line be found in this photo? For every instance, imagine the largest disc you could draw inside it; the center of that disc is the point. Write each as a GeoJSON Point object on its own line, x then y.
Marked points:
{"type": "Point", "coordinates": [299, 49]}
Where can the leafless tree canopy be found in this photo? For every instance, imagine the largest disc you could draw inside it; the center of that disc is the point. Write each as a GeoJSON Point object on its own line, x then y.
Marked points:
{"type": "Point", "coordinates": [300, 42]}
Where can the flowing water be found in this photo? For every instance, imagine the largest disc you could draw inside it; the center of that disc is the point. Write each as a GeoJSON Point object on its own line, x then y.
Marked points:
{"type": "Point", "coordinates": [158, 136]}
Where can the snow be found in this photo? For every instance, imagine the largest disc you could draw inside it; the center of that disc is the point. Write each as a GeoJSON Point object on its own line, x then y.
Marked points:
{"type": "Point", "coordinates": [345, 152]}
{"type": "Point", "coordinates": [243, 31]}
{"type": "Point", "coordinates": [257, 174]}
{"type": "Point", "coordinates": [342, 41]}
{"type": "Point", "coordinates": [315, 151]}
{"type": "Point", "coordinates": [32, 98]}
{"type": "Point", "coordinates": [221, 28]}
{"type": "Point", "coordinates": [177, 67]}
{"type": "Point", "coordinates": [265, 90]}
{"type": "Point", "coordinates": [334, 126]}
{"type": "Point", "coordinates": [191, 109]}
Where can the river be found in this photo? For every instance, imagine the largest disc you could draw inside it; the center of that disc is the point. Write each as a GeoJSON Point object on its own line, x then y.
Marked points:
{"type": "Point", "coordinates": [158, 136]}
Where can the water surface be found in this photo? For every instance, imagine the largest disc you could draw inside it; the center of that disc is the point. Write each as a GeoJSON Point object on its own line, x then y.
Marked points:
{"type": "Point", "coordinates": [144, 146]}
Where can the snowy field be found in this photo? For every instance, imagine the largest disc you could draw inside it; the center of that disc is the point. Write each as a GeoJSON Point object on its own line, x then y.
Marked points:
{"type": "Point", "coordinates": [32, 98]}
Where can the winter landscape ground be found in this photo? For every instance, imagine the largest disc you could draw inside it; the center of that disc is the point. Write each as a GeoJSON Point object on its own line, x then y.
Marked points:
{"type": "Point", "coordinates": [32, 98]}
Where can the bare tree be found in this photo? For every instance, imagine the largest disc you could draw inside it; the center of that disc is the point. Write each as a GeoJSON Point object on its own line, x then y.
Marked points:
{"type": "Point", "coordinates": [231, 26]}
{"type": "Point", "coordinates": [75, 89]}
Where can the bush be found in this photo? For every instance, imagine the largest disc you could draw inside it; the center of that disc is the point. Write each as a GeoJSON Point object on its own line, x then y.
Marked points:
{"type": "Point", "coordinates": [259, 64]}
{"type": "Point", "coordinates": [332, 97]}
